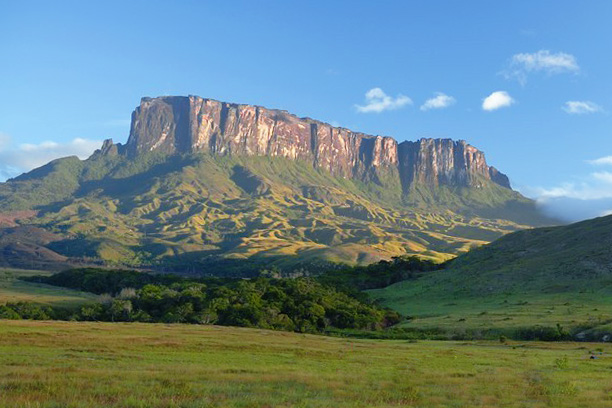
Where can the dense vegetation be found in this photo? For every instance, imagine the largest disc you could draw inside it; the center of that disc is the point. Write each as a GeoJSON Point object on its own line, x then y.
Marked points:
{"type": "Point", "coordinates": [112, 281]}
{"type": "Point", "coordinates": [301, 304]}
{"type": "Point", "coordinates": [378, 275]}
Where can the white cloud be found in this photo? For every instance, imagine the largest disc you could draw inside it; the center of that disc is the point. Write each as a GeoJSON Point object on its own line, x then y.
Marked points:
{"type": "Point", "coordinates": [541, 61]}
{"type": "Point", "coordinates": [602, 161]}
{"type": "Point", "coordinates": [595, 186]}
{"type": "Point", "coordinates": [439, 101]}
{"type": "Point", "coordinates": [604, 176]}
{"type": "Point", "coordinates": [581, 107]}
{"type": "Point", "coordinates": [497, 100]}
{"type": "Point", "coordinates": [15, 160]}
{"type": "Point", "coordinates": [377, 101]}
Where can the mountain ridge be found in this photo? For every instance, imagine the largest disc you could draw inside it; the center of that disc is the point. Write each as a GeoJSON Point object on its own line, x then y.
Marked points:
{"type": "Point", "coordinates": [162, 201]}
{"type": "Point", "coordinates": [177, 124]}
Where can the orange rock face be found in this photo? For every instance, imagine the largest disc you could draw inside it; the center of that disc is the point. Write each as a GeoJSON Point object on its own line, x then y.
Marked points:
{"type": "Point", "coordinates": [177, 124]}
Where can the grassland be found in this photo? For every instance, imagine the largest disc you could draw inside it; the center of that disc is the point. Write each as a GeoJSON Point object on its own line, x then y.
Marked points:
{"type": "Point", "coordinates": [68, 364]}
{"type": "Point", "coordinates": [14, 290]}
{"type": "Point", "coordinates": [497, 313]}
{"type": "Point", "coordinates": [544, 276]}
{"type": "Point", "coordinates": [480, 302]}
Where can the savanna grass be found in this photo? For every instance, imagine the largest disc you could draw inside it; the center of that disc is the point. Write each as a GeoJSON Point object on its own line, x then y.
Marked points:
{"type": "Point", "coordinates": [69, 364]}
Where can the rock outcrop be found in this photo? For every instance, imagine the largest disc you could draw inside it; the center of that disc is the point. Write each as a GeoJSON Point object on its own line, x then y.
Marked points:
{"type": "Point", "coordinates": [177, 124]}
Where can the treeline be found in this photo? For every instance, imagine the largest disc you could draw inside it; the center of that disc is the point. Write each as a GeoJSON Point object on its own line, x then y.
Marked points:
{"type": "Point", "coordinates": [112, 281]}
{"type": "Point", "coordinates": [378, 275]}
{"type": "Point", "coordinates": [330, 301]}
{"type": "Point", "coordinates": [301, 304]}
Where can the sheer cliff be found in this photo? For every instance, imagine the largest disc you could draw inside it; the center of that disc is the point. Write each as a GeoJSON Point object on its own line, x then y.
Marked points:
{"type": "Point", "coordinates": [177, 124]}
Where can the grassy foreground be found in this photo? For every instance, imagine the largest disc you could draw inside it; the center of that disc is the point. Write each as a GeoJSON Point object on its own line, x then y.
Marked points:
{"type": "Point", "coordinates": [68, 364]}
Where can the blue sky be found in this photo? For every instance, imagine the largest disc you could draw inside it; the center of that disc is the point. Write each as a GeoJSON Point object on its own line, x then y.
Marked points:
{"type": "Point", "coordinates": [72, 72]}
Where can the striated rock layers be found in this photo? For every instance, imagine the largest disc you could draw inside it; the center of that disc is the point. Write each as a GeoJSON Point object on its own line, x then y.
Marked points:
{"type": "Point", "coordinates": [178, 124]}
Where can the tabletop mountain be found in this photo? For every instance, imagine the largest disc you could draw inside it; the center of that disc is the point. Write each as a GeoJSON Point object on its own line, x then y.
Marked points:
{"type": "Point", "coordinates": [201, 180]}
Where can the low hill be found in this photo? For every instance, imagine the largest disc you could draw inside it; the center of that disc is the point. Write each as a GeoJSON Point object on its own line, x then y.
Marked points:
{"type": "Point", "coordinates": [544, 276]}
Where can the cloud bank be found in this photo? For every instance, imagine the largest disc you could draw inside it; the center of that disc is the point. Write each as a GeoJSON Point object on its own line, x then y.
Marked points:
{"type": "Point", "coordinates": [439, 101]}
{"type": "Point", "coordinates": [588, 197]}
{"type": "Point", "coordinates": [378, 101]}
{"type": "Point", "coordinates": [497, 100]}
{"type": "Point", "coordinates": [15, 160]}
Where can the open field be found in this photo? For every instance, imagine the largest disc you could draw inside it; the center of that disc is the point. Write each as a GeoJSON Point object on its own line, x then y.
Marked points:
{"type": "Point", "coordinates": [68, 364]}
{"type": "Point", "coordinates": [15, 290]}
{"type": "Point", "coordinates": [499, 312]}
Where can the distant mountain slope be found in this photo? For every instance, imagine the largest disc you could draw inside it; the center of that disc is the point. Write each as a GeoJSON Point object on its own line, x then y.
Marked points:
{"type": "Point", "coordinates": [200, 179]}
{"type": "Point", "coordinates": [539, 276]}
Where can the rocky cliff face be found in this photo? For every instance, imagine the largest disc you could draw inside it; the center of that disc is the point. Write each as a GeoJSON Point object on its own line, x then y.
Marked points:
{"type": "Point", "coordinates": [177, 124]}
{"type": "Point", "coordinates": [445, 161]}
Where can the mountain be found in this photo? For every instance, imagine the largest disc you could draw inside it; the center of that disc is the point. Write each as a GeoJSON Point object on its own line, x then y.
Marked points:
{"type": "Point", "coordinates": [191, 124]}
{"type": "Point", "coordinates": [543, 276]}
{"type": "Point", "coordinates": [201, 180]}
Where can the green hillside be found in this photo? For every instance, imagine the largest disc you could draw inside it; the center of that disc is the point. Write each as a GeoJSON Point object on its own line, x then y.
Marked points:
{"type": "Point", "coordinates": [544, 276]}
{"type": "Point", "coordinates": [184, 211]}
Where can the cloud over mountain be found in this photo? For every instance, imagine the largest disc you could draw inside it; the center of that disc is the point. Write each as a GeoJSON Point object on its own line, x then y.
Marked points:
{"type": "Point", "coordinates": [523, 64]}
{"type": "Point", "coordinates": [378, 101]}
{"type": "Point", "coordinates": [439, 101]}
{"type": "Point", "coordinates": [497, 100]}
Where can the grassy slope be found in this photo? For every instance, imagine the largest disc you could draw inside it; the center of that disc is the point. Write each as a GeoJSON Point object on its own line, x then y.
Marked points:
{"type": "Point", "coordinates": [159, 208]}
{"type": "Point", "coordinates": [542, 276]}
{"type": "Point", "coordinates": [50, 364]}
{"type": "Point", "coordinates": [15, 290]}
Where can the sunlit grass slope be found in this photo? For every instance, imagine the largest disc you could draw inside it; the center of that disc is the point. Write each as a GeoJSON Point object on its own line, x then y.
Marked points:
{"type": "Point", "coordinates": [67, 364]}
{"type": "Point", "coordinates": [14, 290]}
{"type": "Point", "coordinates": [542, 276]}
{"type": "Point", "coordinates": [176, 209]}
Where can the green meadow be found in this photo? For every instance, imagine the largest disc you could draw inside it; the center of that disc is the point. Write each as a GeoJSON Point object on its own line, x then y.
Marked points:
{"type": "Point", "coordinates": [70, 364]}
{"type": "Point", "coordinates": [433, 302]}
{"type": "Point", "coordinates": [12, 289]}
{"type": "Point", "coordinates": [502, 314]}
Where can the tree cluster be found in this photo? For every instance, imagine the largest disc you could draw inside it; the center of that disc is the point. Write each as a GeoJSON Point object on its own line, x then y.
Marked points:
{"type": "Point", "coordinates": [300, 304]}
